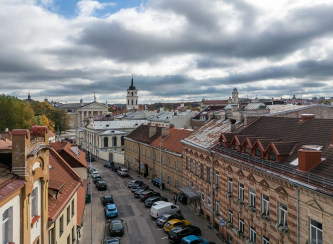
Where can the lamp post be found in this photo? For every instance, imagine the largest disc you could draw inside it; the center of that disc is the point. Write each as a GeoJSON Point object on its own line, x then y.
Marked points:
{"type": "Point", "coordinates": [160, 146]}
{"type": "Point", "coordinates": [91, 218]}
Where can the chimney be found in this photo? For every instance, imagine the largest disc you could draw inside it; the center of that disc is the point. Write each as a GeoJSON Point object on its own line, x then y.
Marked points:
{"type": "Point", "coordinates": [75, 149]}
{"type": "Point", "coordinates": [152, 131]}
{"type": "Point", "coordinates": [233, 125]}
{"type": "Point", "coordinates": [165, 132]}
{"type": "Point", "coordinates": [306, 117]}
{"type": "Point", "coordinates": [21, 144]}
{"type": "Point", "coordinates": [234, 107]}
{"type": "Point", "coordinates": [308, 159]}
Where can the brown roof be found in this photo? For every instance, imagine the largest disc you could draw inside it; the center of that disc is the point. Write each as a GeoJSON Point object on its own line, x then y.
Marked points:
{"type": "Point", "coordinates": [64, 149]}
{"type": "Point", "coordinates": [8, 181]}
{"type": "Point", "coordinates": [81, 199]}
{"type": "Point", "coordinates": [310, 132]}
{"type": "Point", "coordinates": [62, 173]}
{"type": "Point", "coordinates": [6, 135]}
{"type": "Point", "coordinates": [141, 134]}
{"type": "Point", "coordinates": [173, 141]}
{"type": "Point", "coordinates": [5, 144]}
{"type": "Point", "coordinates": [56, 185]}
{"type": "Point", "coordinates": [51, 134]}
{"type": "Point", "coordinates": [284, 148]}
{"type": "Point", "coordinates": [211, 102]}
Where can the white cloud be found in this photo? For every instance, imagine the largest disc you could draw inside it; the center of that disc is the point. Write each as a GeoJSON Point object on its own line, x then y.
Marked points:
{"type": "Point", "coordinates": [87, 8]}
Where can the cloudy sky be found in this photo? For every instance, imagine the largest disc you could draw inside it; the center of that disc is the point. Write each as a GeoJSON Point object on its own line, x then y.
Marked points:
{"type": "Point", "coordinates": [177, 50]}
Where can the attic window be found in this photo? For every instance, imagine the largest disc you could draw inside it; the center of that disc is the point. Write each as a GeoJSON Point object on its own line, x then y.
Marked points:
{"type": "Point", "coordinates": [50, 167]}
{"type": "Point", "coordinates": [247, 149]}
{"type": "Point", "coordinates": [107, 125]}
{"type": "Point", "coordinates": [222, 143]}
{"type": "Point", "coordinates": [258, 152]}
{"type": "Point", "coordinates": [272, 155]}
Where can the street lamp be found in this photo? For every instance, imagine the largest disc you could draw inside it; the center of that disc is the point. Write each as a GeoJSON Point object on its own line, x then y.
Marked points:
{"type": "Point", "coordinates": [91, 219]}
{"type": "Point", "coordinates": [160, 146]}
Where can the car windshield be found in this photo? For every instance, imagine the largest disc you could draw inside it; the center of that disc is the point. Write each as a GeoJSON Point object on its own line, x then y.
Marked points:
{"type": "Point", "coordinates": [117, 226]}
{"type": "Point", "coordinates": [124, 170]}
{"type": "Point", "coordinates": [164, 218]}
{"type": "Point", "coordinates": [112, 209]}
{"type": "Point", "coordinates": [183, 242]}
{"type": "Point", "coordinates": [101, 183]}
{"type": "Point", "coordinates": [168, 224]}
{"type": "Point", "coordinates": [107, 197]}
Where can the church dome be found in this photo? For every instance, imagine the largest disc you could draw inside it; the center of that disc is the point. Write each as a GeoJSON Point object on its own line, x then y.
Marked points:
{"type": "Point", "coordinates": [132, 87]}
{"type": "Point", "coordinates": [235, 89]}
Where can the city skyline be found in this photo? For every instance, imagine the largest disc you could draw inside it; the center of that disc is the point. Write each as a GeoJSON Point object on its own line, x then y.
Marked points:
{"type": "Point", "coordinates": [176, 50]}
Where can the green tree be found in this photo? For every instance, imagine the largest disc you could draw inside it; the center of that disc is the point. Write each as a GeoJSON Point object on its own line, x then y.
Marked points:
{"type": "Point", "coordinates": [41, 108]}
{"type": "Point", "coordinates": [14, 113]}
{"type": "Point", "coordinates": [61, 120]}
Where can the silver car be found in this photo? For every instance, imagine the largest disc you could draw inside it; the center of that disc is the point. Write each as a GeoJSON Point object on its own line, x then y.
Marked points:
{"type": "Point", "coordinates": [122, 172]}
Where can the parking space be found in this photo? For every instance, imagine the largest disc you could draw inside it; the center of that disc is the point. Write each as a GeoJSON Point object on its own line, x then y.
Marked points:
{"type": "Point", "coordinates": [140, 228]}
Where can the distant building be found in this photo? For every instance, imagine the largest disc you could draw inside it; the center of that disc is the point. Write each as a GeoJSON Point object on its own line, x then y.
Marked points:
{"type": "Point", "coordinates": [29, 98]}
{"type": "Point", "coordinates": [132, 98]}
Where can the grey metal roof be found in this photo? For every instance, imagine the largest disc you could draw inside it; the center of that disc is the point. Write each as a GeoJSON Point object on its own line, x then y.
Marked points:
{"type": "Point", "coordinates": [192, 194]}
{"type": "Point", "coordinates": [255, 106]}
{"type": "Point", "coordinates": [72, 105]}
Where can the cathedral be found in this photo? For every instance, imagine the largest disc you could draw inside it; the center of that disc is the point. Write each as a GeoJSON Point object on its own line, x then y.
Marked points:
{"type": "Point", "coordinates": [132, 97]}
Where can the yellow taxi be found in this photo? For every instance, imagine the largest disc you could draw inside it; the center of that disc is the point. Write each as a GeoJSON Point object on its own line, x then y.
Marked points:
{"type": "Point", "coordinates": [175, 223]}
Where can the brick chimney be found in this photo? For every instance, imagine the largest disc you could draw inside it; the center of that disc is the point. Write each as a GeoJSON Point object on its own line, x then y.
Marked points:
{"type": "Point", "coordinates": [152, 131]}
{"type": "Point", "coordinates": [165, 132]}
{"type": "Point", "coordinates": [306, 117]}
{"type": "Point", "coordinates": [233, 125]}
{"type": "Point", "coordinates": [308, 159]}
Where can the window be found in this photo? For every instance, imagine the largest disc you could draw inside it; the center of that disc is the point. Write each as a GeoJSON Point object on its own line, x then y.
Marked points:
{"type": "Point", "coordinates": [141, 151]}
{"type": "Point", "coordinates": [176, 183]}
{"type": "Point", "coordinates": [202, 172]}
{"type": "Point", "coordinates": [208, 199]}
{"type": "Point", "coordinates": [151, 155]}
{"type": "Point", "coordinates": [191, 164]}
{"type": "Point", "coordinates": [73, 235]}
{"type": "Point", "coordinates": [208, 174]}
{"type": "Point", "coordinates": [106, 142]}
{"type": "Point", "coordinates": [156, 156]}
{"type": "Point", "coordinates": [265, 205]}
{"type": "Point", "coordinates": [162, 176]}
{"type": "Point", "coordinates": [169, 180]}
{"type": "Point", "coordinates": [196, 167]}
{"type": "Point", "coordinates": [230, 214]}
{"type": "Point", "coordinates": [7, 225]}
{"type": "Point", "coordinates": [61, 225]}
{"type": "Point", "coordinates": [229, 185]}
{"type": "Point", "coordinates": [265, 240]}
{"type": "Point", "coordinates": [133, 148]}
{"type": "Point", "coordinates": [283, 214]}
{"type": "Point", "coordinates": [216, 178]}
{"type": "Point", "coordinates": [202, 195]}
{"type": "Point", "coordinates": [186, 162]}
{"type": "Point", "coordinates": [122, 141]}
{"type": "Point", "coordinates": [252, 202]}
{"type": "Point", "coordinates": [217, 207]}
{"type": "Point", "coordinates": [156, 173]}
{"type": "Point", "coordinates": [187, 183]}
{"type": "Point", "coordinates": [247, 149]}
{"type": "Point", "coordinates": [51, 237]}
{"type": "Point", "coordinates": [241, 191]}
{"type": "Point", "coordinates": [169, 163]}
{"type": "Point", "coordinates": [176, 165]}
{"type": "Point", "coordinates": [162, 159]}
{"type": "Point", "coordinates": [253, 234]}
{"type": "Point", "coordinates": [68, 214]}
{"type": "Point", "coordinates": [69, 239]}
{"type": "Point", "coordinates": [229, 239]}
{"type": "Point", "coordinates": [258, 152]}
{"type": "Point", "coordinates": [34, 202]}
{"type": "Point", "coordinates": [316, 232]}
{"type": "Point", "coordinates": [272, 155]}
{"type": "Point", "coordinates": [241, 225]}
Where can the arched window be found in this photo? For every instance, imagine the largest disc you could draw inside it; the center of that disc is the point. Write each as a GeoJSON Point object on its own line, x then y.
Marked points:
{"type": "Point", "coordinates": [115, 141]}
{"type": "Point", "coordinates": [106, 142]}
{"type": "Point", "coordinates": [272, 155]}
{"type": "Point", "coordinates": [122, 141]}
{"type": "Point", "coordinates": [258, 152]}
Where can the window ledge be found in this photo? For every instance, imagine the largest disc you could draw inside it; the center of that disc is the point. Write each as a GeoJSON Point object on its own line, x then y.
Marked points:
{"type": "Point", "coordinates": [35, 219]}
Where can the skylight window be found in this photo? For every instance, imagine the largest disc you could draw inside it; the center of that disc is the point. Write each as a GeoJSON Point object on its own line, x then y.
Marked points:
{"type": "Point", "coordinates": [50, 167]}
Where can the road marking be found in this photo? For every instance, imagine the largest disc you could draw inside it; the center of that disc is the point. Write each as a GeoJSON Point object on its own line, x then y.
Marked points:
{"type": "Point", "coordinates": [164, 237]}
{"type": "Point", "coordinates": [159, 229]}
{"type": "Point", "coordinates": [148, 210]}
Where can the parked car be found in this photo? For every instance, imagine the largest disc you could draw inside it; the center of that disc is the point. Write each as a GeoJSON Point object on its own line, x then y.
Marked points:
{"type": "Point", "coordinates": [111, 211]}
{"type": "Point", "coordinates": [166, 217]}
{"type": "Point", "coordinates": [165, 208]}
{"type": "Point", "coordinates": [178, 233]}
{"type": "Point", "coordinates": [96, 179]}
{"type": "Point", "coordinates": [88, 158]}
{"type": "Point", "coordinates": [147, 194]}
{"type": "Point", "coordinates": [182, 198]}
{"type": "Point", "coordinates": [192, 239]}
{"type": "Point", "coordinates": [175, 223]}
{"type": "Point", "coordinates": [158, 202]}
{"type": "Point", "coordinates": [149, 201]}
{"type": "Point", "coordinates": [115, 168]}
{"type": "Point", "coordinates": [122, 172]}
{"type": "Point", "coordinates": [107, 165]}
{"type": "Point", "coordinates": [91, 169]}
{"type": "Point", "coordinates": [116, 227]}
{"type": "Point", "coordinates": [101, 185]}
{"type": "Point", "coordinates": [112, 240]}
{"type": "Point", "coordinates": [69, 139]}
{"type": "Point", "coordinates": [94, 172]}
{"type": "Point", "coordinates": [107, 200]}
{"type": "Point", "coordinates": [134, 182]}
{"type": "Point", "coordinates": [138, 192]}
{"type": "Point", "coordinates": [136, 187]}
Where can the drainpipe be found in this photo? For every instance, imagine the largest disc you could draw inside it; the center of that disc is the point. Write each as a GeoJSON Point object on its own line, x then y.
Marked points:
{"type": "Point", "coordinates": [297, 191]}
{"type": "Point", "coordinates": [212, 186]}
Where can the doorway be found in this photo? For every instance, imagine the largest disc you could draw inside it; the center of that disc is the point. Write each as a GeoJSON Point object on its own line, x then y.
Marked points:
{"type": "Point", "coordinates": [145, 170]}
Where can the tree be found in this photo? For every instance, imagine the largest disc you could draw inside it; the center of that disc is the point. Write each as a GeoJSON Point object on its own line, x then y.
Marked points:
{"type": "Point", "coordinates": [44, 121]}
{"type": "Point", "coordinates": [14, 113]}
{"type": "Point", "coordinates": [61, 119]}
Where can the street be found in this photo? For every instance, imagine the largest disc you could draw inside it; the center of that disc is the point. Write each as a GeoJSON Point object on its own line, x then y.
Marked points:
{"type": "Point", "coordinates": [140, 228]}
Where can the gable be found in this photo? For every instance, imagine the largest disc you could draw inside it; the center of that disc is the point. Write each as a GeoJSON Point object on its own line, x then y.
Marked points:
{"type": "Point", "coordinates": [95, 105]}
{"type": "Point", "coordinates": [281, 191]}
{"type": "Point", "coordinates": [264, 183]}
{"type": "Point", "coordinates": [313, 203]}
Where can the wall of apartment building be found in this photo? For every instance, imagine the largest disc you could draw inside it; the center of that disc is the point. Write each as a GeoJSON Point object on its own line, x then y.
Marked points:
{"type": "Point", "coordinates": [315, 207]}
{"type": "Point", "coordinates": [131, 155]}
{"type": "Point", "coordinates": [82, 172]}
{"type": "Point", "coordinates": [67, 229]}
{"type": "Point", "coordinates": [279, 192]}
{"type": "Point", "coordinates": [195, 124]}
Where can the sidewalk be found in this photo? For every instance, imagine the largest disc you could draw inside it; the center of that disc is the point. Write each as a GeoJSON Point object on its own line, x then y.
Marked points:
{"type": "Point", "coordinates": [207, 233]}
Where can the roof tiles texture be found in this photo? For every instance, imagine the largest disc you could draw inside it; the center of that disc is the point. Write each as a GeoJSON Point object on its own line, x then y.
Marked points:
{"type": "Point", "coordinates": [8, 181]}
{"type": "Point", "coordinates": [61, 172]}
{"type": "Point", "coordinates": [172, 142]}
{"type": "Point", "coordinates": [64, 149]}
{"type": "Point", "coordinates": [141, 134]}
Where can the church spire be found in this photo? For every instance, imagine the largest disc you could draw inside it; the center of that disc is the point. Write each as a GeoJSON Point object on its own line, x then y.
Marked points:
{"type": "Point", "coordinates": [132, 80]}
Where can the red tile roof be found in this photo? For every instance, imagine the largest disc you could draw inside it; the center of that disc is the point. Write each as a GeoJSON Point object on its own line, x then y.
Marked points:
{"type": "Point", "coordinates": [8, 181]}
{"type": "Point", "coordinates": [173, 141]}
{"type": "Point", "coordinates": [64, 149]}
{"type": "Point", "coordinates": [81, 200]}
{"type": "Point", "coordinates": [63, 173]}
{"type": "Point", "coordinates": [5, 144]}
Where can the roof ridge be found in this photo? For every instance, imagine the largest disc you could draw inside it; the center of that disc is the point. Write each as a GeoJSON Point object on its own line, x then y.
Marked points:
{"type": "Point", "coordinates": [66, 165]}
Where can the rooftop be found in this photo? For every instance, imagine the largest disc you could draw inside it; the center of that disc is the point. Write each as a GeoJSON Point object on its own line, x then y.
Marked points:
{"type": "Point", "coordinates": [141, 134]}
{"type": "Point", "coordinates": [66, 152]}
{"type": "Point", "coordinates": [123, 124]}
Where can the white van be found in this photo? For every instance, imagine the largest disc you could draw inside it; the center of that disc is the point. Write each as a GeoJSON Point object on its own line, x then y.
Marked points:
{"type": "Point", "coordinates": [158, 202]}
{"type": "Point", "coordinates": [163, 208]}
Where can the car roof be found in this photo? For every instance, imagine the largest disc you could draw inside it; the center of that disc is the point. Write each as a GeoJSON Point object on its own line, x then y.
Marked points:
{"type": "Point", "coordinates": [116, 221]}
{"type": "Point", "coordinates": [109, 206]}
{"type": "Point", "coordinates": [100, 181]}
{"type": "Point", "coordinates": [191, 238]}
{"type": "Point", "coordinates": [158, 206]}
{"type": "Point", "coordinates": [173, 221]}
{"type": "Point", "coordinates": [108, 196]}
{"type": "Point", "coordinates": [159, 202]}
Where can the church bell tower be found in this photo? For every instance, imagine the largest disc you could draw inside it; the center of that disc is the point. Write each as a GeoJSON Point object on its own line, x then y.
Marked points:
{"type": "Point", "coordinates": [132, 98]}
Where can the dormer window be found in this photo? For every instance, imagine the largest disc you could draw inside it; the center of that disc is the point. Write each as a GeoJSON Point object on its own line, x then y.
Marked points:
{"type": "Point", "coordinates": [272, 155]}
{"type": "Point", "coordinates": [222, 143]}
{"type": "Point", "coordinates": [247, 149]}
{"type": "Point", "coordinates": [258, 152]}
